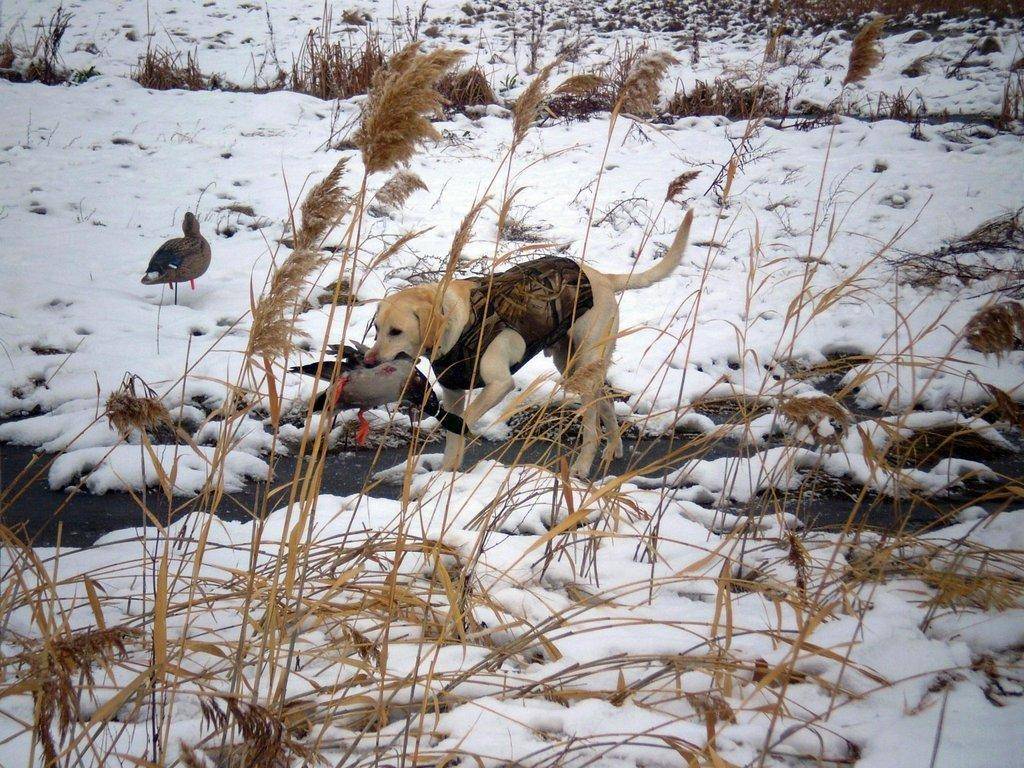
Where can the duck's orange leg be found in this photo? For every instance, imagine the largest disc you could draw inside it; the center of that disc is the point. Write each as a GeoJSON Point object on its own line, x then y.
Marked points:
{"type": "Point", "coordinates": [363, 431]}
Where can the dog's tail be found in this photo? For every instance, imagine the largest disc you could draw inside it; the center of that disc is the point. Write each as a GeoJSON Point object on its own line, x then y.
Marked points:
{"type": "Point", "coordinates": [663, 268]}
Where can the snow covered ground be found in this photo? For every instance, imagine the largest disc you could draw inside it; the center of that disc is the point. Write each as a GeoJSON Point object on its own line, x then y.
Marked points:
{"type": "Point", "coordinates": [790, 271]}
{"type": "Point", "coordinates": [570, 648]}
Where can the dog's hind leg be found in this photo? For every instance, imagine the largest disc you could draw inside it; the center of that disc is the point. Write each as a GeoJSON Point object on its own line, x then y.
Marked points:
{"type": "Point", "coordinates": [605, 410]}
{"type": "Point", "coordinates": [610, 427]}
{"type": "Point", "coordinates": [591, 438]}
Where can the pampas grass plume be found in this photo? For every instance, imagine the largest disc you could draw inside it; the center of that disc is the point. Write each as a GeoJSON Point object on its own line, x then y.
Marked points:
{"type": "Point", "coordinates": [579, 84]}
{"type": "Point", "coordinates": [866, 51]}
{"type": "Point", "coordinates": [396, 190]}
{"type": "Point", "coordinates": [679, 183]}
{"type": "Point", "coordinates": [640, 90]}
{"type": "Point", "coordinates": [135, 406]}
{"type": "Point", "coordinates": [403, 95]}
{"type": "Point", "coordinates": [528, 105]}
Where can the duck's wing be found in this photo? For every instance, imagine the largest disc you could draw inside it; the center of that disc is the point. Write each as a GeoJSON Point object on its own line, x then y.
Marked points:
{"type": "Point", "coordinates": [170, 255]}
{"type": "Point", "coordinates": [309, 369]}
{"type": "Point", "coordinates": [418, 392]}
{"type": "Point", "coordinates": [320, 401]}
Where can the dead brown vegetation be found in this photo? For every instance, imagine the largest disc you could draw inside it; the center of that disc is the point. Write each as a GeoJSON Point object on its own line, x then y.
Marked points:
{"type": "Point", "coordinates": [924, 447]}
{"type": "Point", "coordinates": [639, 92]}
{"type": "Point", "coordinates": [164, 70]}
{"type": "Point", "coordinates": [997, 328]}
{"type": "Point", "coordinates": [866, 52]}
{"type": "Point", "coordinates": [897, 106]}
{"type": "Point", "coordinates": [992, 251]}
{"type": "Point", "coordinates": [398, 188]}
{"type": "Point", "coordinates": [1012, 110]}
{"type": "Point", "coordinates": [844, 13]}
{"type": "Point", "coordinates": [273, 326]}
{"type": "Point", "coordinates": [810, 412]}
{"type": "Point", "coordinates": [528, 105]}
{"type": "Point", "coordinates": [332, 69]}
{"type": "Point", "coordinates": [39, 61]}
{"type": "Point", "coordinates": [58, 669]}
{"type": "Point", "coordinates": [630, 81]}
{"type": "Point", "coordinates": [724, 97]}
{"type": "Point", "coordinates": [467, 88]}
{"type": "Point", "coordinates": [135, 407]}
{"type": "Point", "coordinates": [679, 184]}
{"type": "Point", "coordinates": [395, 117]}
{"type": "Point", "coordinates": [366, 603]}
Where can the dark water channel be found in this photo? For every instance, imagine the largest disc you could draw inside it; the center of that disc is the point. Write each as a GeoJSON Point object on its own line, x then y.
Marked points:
{"type": "Point", "coordinates": [42, 516]}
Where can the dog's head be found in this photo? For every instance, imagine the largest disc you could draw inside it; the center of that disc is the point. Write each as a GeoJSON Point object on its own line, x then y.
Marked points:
{"type": "Point", "coordinates": [409, 322]}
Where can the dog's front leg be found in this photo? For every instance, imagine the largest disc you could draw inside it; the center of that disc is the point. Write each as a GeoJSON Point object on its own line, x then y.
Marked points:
{"type": "Point", "coordinates": [492, 394]}
{"type": "Point", "coordinates": [454, 444]}
{"type": "Point", "coordinates": [495, 372]}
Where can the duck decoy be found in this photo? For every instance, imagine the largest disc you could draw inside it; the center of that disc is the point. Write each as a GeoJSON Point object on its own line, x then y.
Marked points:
{"type": "Point", "coordinates": [357, 385]}
{"type": "Point", "coordinates": [181, 259]}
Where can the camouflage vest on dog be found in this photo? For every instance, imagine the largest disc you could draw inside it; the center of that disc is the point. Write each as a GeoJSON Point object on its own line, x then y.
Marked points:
{"type": "Point", "coordinates": [539, 300]}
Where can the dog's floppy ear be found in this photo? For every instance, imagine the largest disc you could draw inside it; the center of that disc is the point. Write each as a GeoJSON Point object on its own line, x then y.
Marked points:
{"type": "Point", "coordinates": [432, 322]}
{"type": "Point", "coordinates": [436, 322]}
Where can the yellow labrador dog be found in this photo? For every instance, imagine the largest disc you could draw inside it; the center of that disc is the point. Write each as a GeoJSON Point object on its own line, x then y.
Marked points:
{"type": "Point", "coordinates": [478, 332]}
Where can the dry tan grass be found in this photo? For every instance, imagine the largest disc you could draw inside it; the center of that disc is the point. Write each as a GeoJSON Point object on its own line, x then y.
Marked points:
{"type": "Point", "coordinates": [809, 413]}
{"type": "Point", "coordinates": [996, 329]}
{"type": "Point", "coordinates": [629, 81]}
{"type": "Point", "coordinates": [7, 57]}
{"type": "Point", "coordinates": [580, 106]}
{"type": "Point", "coordinates": [395, 117]}
{"type": "Point", "coordinates": [1005, 407]}
{"type": "Point", "coordinates": [467, 88]}
{"type": "Point", "coordinates": [679, 184]}
{"type": "Point", "coordinates": [58, 667]}
{"type": "Point", "coordinates": [923, 447]}
{"type": "Point", "coordinates": [266, 740]}
{"type": "Point", "coordinates": [331, 69]}
{"type": "Point", "coordinates": [41, 61]}
{"type": "Point", "coordinates": [464, 232]}
{"type": "Point", "coordinates": [577, 85]}
{"type": "Point", "coordinates": [135, 407]}
{"type": "Point", "coordinates": [274, 707]}
{"type": "Point", "coordinates": [273, 325]}
{"type": "Point", "coordinates": [724, 97]}
{"type": "Point", "coordinates": [326, 202]}
{"type": "Point", "coordinates": [640, 91]}
{"type": "Point", "coordinates": [528, 105]}
{"type": "Point", "coordinates": [396, 190]}
{"type": "Point", "coordinates": [164, 70]}
{"type": "Point", "coordinates": [991, 251]}
{"type": "Point", "coordinates": [866, 52]}
{"type": "Point", "coordinates": [841, 13]}
{"type": "Point", "coordinates": [1012, 110]}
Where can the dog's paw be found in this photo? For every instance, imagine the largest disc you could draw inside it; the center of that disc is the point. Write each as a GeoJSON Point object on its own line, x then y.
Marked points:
{"type": "Point", "coordinates": [611, 452]}
{"type": "Point", "coordinates": [428, 462]}
{"type": "Point", "coordinates": [580, 472]}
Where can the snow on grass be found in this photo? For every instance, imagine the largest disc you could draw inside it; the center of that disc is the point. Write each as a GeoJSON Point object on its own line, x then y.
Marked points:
{"type": "Point", "coordinates": [596, 644]}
